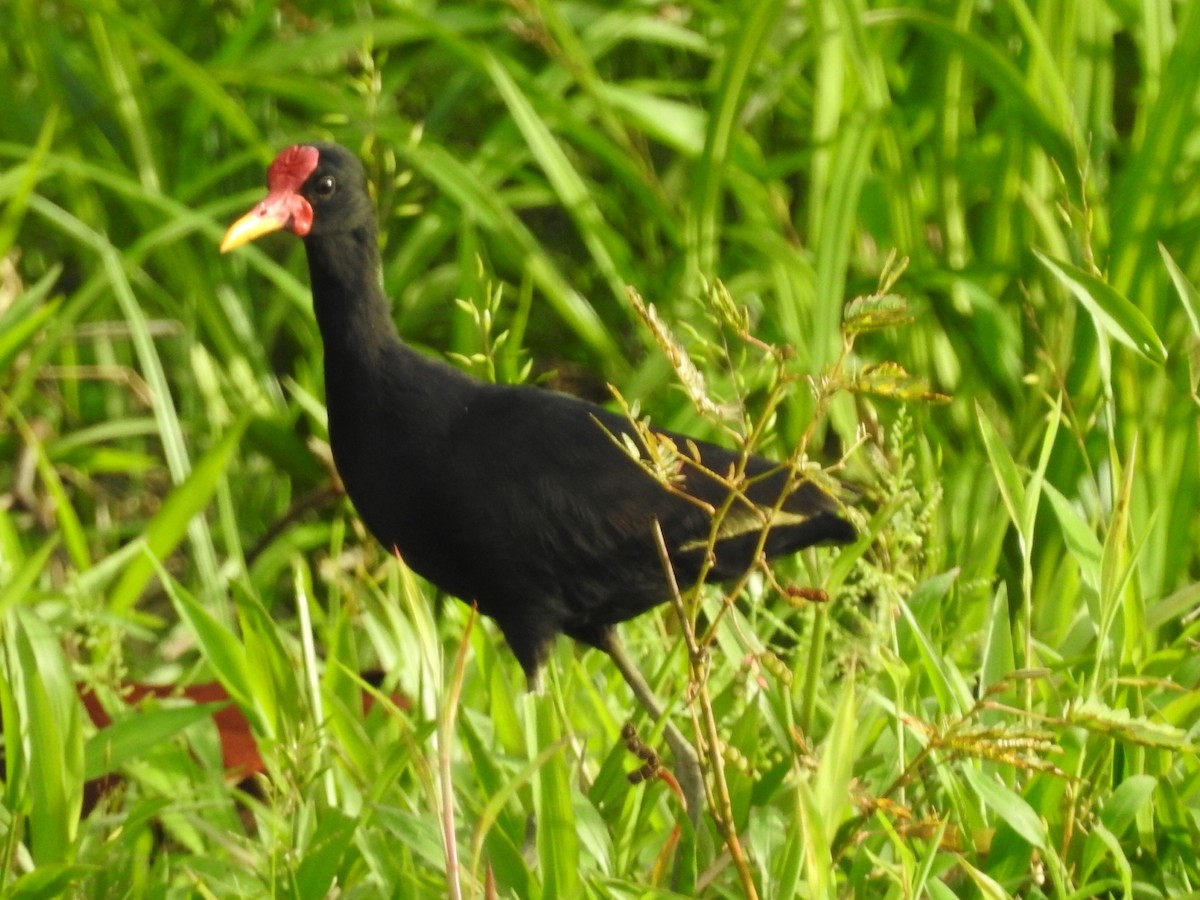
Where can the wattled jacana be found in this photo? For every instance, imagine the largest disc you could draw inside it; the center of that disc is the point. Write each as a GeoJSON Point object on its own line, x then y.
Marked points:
{"type": "Point", "coordinates": [514, 498]}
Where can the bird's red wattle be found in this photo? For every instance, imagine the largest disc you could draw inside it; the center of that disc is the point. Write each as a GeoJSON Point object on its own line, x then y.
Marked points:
{"type": "Point", "coordinates": [291, 168]}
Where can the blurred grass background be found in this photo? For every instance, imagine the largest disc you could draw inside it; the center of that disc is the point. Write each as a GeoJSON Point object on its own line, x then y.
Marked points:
{"type": "Point", "coordinates": [999, 700]}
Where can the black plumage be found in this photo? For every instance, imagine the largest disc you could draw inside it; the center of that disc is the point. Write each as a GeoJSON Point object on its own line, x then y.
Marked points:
{"type": "Point", "coordinates": [515, 498]}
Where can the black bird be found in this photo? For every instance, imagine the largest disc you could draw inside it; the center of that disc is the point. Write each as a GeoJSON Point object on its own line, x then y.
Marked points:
{"type": "Point", "coordinates": [518, 499]}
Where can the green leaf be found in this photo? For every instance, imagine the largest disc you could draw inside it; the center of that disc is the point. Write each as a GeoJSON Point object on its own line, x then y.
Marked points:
{"type": "Point", "coordinates": [1122, 805]}
{"type": "Point", "coordinates": [1037, 478]}
{"type": "Point", "coordinates": [997, 68]}
{"type": "Point", "coordinates": [1012, 490]}
{"type": "Point", "coordinates": [1112, 313]}
{"type": "Point", "coordinates": [19, 184]}
{"type": "Point", "coordinates": [557, 840]}
{"type": "Point", "coordinates": [169, 525]}
{"type": "Point", "coordinates": [322, 856]}
{"type": "Point", "coordinates": [1081, 541]}
{"type": "Point", "coordinates": [875, 312]}
{"type": "Point", "coordinates": [50, 750]}
{"type": "Point", "coordinates": [889, 379]}
{"type": "Point", "coordinates": [1188, 297]}
{"type": "Point", "coordinates": [69, 525]}
{"type": "Point", "coordinates": [133, 736]}
{"type": "Point", "coordinates": [26, 315]}
{"type": "Point", "coordinates": [568, 184]}
{"type": "Point", "coordinates": [274, 683]}
{"type": "Point", "coordinates": [1100, 841]}
{"type": "Point", "coordinates": [224, 654]}
{"type": "Point", "coordinates": [999, 659]}
{"type": "Point", "coordinates": [480, 199]}
{"type": "Point", "coordinates": [48, 882]}
{"type": "Point", "coordinates": [987, 886]}
{"type": "Point", "coordinates": [818, 866]}
{"type": "Point", "coordinates": [676, 124]}
{"type": "Point", "coordinates": [1182, 603]}
{"type": "Point", "coordinates": [1009, 805]}
{"type": "Point", "coordinates": [953, 696]}
{"type": "Point", "coordinates": [19, 582]}
{"type": "Point", "coordinates": [831, 789]}
{"type": "Point", "coordinates": [742, 51]}
{"type": "Point", "coordinates": [1099, 717]}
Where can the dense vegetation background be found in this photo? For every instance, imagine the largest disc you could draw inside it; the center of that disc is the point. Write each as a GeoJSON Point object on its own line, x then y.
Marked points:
{"type": "Point", "coordinates": [1000, 697]}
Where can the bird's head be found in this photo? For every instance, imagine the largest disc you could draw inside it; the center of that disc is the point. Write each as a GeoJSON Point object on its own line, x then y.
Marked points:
{"type": "Point", "coordinates": [312, 189]}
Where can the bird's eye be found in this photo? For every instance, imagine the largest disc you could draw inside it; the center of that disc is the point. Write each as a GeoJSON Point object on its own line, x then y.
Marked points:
{"type": "Point", "coordinates": [325, 186]}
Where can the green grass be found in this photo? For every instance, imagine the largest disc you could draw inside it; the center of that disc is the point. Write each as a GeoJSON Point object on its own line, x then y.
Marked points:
{"type": "Point", "coordinates": [999, 698]}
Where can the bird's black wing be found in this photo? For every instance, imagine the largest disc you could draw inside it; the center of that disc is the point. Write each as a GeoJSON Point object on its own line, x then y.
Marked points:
{"type": "Point", "coordinates": [575, 512]}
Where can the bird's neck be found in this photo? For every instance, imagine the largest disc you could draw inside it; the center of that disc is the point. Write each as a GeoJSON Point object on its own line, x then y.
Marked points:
{"type": "Point", "coordinates": [351, 308]}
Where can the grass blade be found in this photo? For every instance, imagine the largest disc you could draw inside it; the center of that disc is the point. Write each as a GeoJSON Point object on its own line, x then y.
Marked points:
{"type": "Point", "coordinates": [1113, 314]}
{"type": "Point", "coordinates": [164, 532]}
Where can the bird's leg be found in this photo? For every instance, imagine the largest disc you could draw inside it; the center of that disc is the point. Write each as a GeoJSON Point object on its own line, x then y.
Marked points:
{"type": "Point", "coordinates": [687, 761]}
